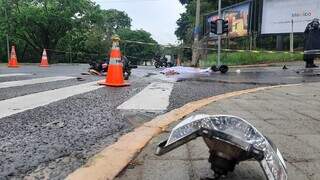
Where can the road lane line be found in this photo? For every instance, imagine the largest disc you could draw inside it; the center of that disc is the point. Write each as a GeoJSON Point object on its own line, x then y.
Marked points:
{"type": "Point", "coordinates": [23, 103]}
{"type": "Point", "coordinates": [16, 74]}
{"type": "Point", "coordinates": [154, 97]}
{"type": "Point", "coordinates": [33, 81]}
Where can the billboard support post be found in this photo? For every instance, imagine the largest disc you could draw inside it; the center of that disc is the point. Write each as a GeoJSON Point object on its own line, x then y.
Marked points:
{"type": "Point", "coordinates": [219, 36]}
{"type": "Point", "coordinates": [291, 37]}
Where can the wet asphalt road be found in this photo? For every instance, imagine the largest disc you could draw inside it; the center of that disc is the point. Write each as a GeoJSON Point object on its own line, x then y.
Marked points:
{"type": "Point", "coordinates": [53, 140]}
{"type": "Point", "coordinates": [63, 134]}
{"type": "Point", "coordinates": [262, 76]}
{"type": "Point", "coordinates": [192, 90]}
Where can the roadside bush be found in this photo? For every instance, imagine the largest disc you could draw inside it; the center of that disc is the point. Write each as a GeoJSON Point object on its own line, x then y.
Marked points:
{"type": "Point", "coordinates": [245, 58]}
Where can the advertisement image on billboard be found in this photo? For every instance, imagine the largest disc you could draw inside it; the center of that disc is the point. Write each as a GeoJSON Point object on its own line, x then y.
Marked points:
{"type": "Point", "coordinates": [277, 15]}
{"type": "Point", "coordinates": [238, 18]}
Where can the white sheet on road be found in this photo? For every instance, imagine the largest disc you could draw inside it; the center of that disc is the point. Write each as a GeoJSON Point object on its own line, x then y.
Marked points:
{"type": "Point", "coordinates": [154, 97]}
{"type": "Point", "coordinates": [23, 103]}
{"type": "Point", "coordinates": [33, 81]}
{"type": "Point", "coordinates": [16, 74]}
{"type": "Point", "coordinates": [184, 70]}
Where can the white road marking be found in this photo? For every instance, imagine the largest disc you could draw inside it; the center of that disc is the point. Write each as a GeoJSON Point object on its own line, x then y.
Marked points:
{"type": "Point", "coordinates": [173, 78]}
{"type": "Point", "coordinates": [16, 74]}
{"type": "Point", "coordinates": [154, 97]}
{"type": "Point", "coordinates": [23, 103]}
{"type": "Point", "coordinates": [33, 81]}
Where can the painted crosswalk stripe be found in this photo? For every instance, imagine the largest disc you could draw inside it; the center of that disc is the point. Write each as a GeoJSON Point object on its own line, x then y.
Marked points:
{"type": "Point", "coordinates": [16, 74]}
{"type": "Point", "coordinates": [154, 97]}
{"type": "Point", "coordinates": [33, 81]}
{"type": "Point", "coordinates": [23, 103]}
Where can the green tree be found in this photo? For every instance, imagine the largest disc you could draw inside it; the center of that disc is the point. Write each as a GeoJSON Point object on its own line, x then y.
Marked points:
{"type": "Point", "coordinates": [187, 20]}
{"type": "Point", "coordinates": [94, 36]}
{"type": "Point", "coordinates": [63, 25]}
{"type": "Point", "coordinates": [138, 52]}
{"type": "Point", "coordinates": [43, 23]}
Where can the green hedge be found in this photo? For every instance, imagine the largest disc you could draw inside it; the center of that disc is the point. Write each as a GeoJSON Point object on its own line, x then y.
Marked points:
{"type": "Point", "coordinates": [245, 58]}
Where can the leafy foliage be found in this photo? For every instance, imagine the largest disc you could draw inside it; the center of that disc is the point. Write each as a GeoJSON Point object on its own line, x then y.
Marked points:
{"type": "Point", "coordinates": [244, 58]}
{"type": "Point", "coordinates": [63, 25]}
{"type": "Point", "coordinates": [187, 20]}
{"type": "Point", "coordinates": [134, 51]}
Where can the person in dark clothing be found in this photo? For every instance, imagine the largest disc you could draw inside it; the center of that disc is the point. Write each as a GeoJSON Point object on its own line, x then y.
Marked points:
{"type": "Point", "coordinates": [99, 67]}
{"type": "Point", "coordinates": [312, 43]}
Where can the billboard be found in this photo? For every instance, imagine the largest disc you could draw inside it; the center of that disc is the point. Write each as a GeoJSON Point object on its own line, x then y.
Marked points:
{"type": "Point", "coordinates": [277, 15]}
{"type": "Point", "coordinates": [238, 17]}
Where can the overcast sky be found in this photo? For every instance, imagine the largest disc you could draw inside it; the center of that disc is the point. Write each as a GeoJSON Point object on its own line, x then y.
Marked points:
{"type": "Point", "coordinates": [155, 16]}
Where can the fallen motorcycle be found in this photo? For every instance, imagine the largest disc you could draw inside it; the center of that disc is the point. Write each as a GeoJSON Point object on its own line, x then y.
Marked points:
{"type": "Point", "coordinates": [230, 140]}
{"type": "Point", "coordinates": [162, 62]}
{"type": "Point", "coordinates": [102, 67]}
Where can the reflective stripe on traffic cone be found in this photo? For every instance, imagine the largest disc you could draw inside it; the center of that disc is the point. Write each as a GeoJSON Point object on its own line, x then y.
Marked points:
{"type": "Point", "coordinates": [115, 68]}
{"type": "Point", "coordinates": [13, 61]}
{"type": "Point", "coordinates": [44, 59]}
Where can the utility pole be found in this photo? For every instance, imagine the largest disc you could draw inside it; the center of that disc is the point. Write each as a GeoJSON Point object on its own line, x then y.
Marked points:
{"type": "Point", "coordinates": [291, 37]}
{"type": "Point", "coordinates": [219, 36]}
{"type": "Point", "coordinates": [195, 52]}
{"type": "Point", "coordinates": [7, 35]}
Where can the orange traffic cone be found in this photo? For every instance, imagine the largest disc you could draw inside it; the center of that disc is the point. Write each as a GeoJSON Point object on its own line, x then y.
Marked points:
{"type": "Point", "coordinates": [115, 68]}
{"type": "Point", "coordinates": [13, 61]}
{"type": "Point", "coordinates": [44, 59]}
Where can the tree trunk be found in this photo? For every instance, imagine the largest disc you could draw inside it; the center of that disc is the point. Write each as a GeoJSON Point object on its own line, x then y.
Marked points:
{"type": "Point", "coordinates": [24, 52]}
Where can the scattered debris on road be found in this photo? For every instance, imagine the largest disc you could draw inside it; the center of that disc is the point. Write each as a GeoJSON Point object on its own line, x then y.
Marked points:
{"type": "Point", "coordinates": [285, 67]}
{"type": "Point", "coordinates": [80, 79]}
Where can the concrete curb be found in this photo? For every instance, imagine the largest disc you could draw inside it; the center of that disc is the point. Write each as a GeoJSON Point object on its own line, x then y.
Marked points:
{"type": "Point", "coordinates": [107, 164]}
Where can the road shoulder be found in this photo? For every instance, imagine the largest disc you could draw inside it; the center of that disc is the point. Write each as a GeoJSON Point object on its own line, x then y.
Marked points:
{"type": "Point", "coordinates": [112, 160]}
{"type": "Point", "coordinates": [288, 115]}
